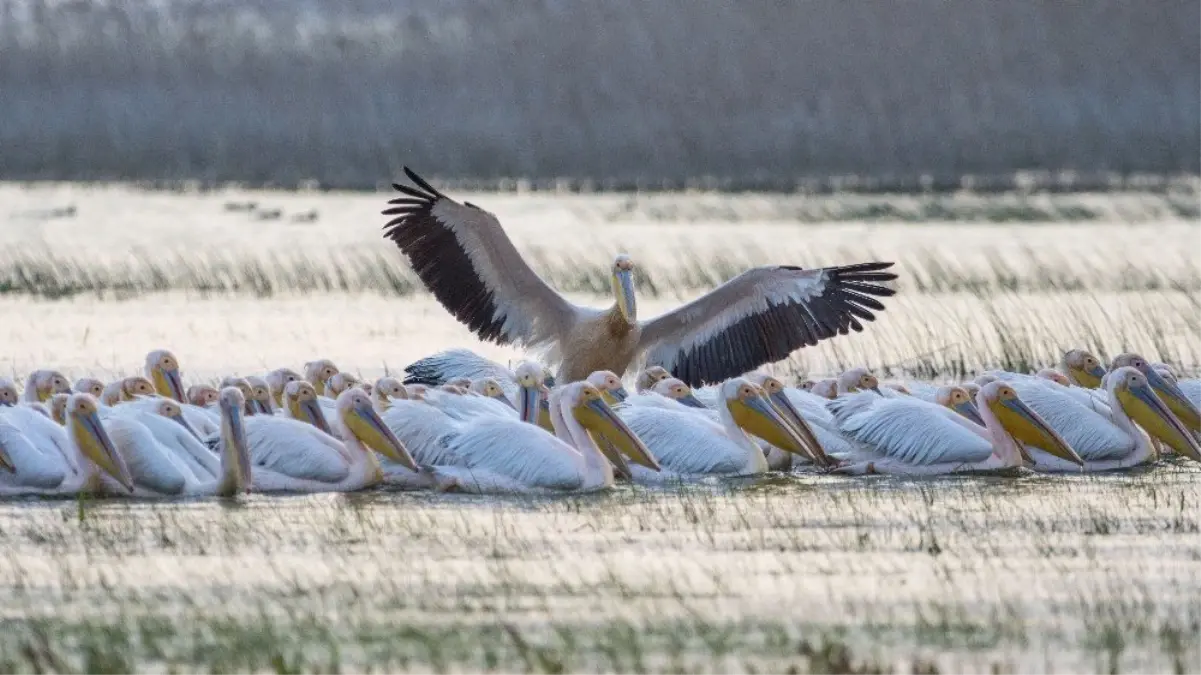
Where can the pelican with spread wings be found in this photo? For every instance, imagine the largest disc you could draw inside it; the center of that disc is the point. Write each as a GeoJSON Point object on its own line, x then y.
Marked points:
{"type": "Point", "coordinates": [463, 256]}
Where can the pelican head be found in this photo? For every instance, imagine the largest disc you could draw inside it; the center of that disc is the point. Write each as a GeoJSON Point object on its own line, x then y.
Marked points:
{"type": "Point", "coordinates": [857, 379]}
{"type": "Point", "coordinates": [648, 377]}
{"type": "Point", "coordinates": [827, 388]}
{"type": "Point", "coordinates": [773, 389]}
{"type": "Point", "coordinates": [610, 386]}
{"type": "Point", "coordinates": [1141, 403]}
{"type": "Point", "coordinates": [202, 395]}
{"type": "Point", "coordinates": [757, 416]}
{"type": "Point", "coordinates": [360, 419]}
{"type": "Point", "coordinates": [83, 424]}
{"type": "Point", "coordinates": [1083, 369]}
{"type": "Point", "coordinates": [678, 391]}
{"type": "Point", "coordinates": [587, 406]}
{"type": "Point", "coordinates": [42, 384]}
{"type": "Point", "coordinates": [529, 378]}
{"type": "Point", "coordinates": [1166, 371]}
{"type": "Point", "coordinates": [1054, 376]}
{"type": "Point", "coordinates": [244, 387]}
{"type": "Point", "coordinates": [340, 382]}
{"type": "Point", "coordinates": [459, 382]}
{"type": "Point", "coordinates": [234, 447]}
{"type": "Point", "coordinates": [1168, 391]}
{"type": "Point", "coordinates": [170, 409]}
{"type": "Point", "coordinates": [136, 387]}
{"type": "Point", "coordinates": [971, 388]}
{"type": "Point", "coordinates": [959, 400]}
{"type": "Point", "coordinates": [1023, 424]}
{"type": "Point", "coordinates": [984, 378]}
{"type": "Point", "coordinates": [318, 373]}
{"type": "Point", "coordinates": [276, 380]}
{"type": "Point", "coordinates": [162, 368]}
{"type": "Point", "coordinates": [300, 403]}
{"type": "Point", "coordinates": [453, 389]}
{"type": "Point", "coordinates": [805, 385]}
{"type": "Point", "coordinates": [58, 408]}
{"type": "Point", "coordinates": [89, 385]}
{"type": "Point", "coordinates": [386, 390]}
{"type": "Point", "coordinates": [490, 388]}
{"type": "Point", "coordinates": [623, 288]}
{"type": "Point", "coordinates": [260, 395]}
{"type": "Point", "coordinates": [111, 395]}
{"type": "Point", "coordinates": [8, 392]}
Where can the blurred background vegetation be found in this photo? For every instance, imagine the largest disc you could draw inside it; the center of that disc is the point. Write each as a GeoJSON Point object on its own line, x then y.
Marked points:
{"type": "Point", "coordinates": [605, 95]}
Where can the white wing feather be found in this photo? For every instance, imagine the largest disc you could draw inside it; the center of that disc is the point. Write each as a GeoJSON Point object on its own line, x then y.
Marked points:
{"type": "Point", "coordinates": [913, 431]}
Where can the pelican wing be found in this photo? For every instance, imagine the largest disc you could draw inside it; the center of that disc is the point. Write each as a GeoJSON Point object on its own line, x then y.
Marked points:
{"type": "Point", "coordinates": [520, 452]}
{"type": "Point", "coordinates": [761, 316]}
{"type": "Point", "coordinates": [466, 260]}
{"type": "Point", "coordinates": [295, 449]}
{"type": "Point", "coordinates": [912, 431]}
{"type": "Point", "coordinates": [450, 364]}
{"type": "Point", "coordinates": [1192, 390]}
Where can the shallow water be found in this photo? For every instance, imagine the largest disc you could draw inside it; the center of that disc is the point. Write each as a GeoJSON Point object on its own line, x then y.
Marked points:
{"type": "Point", "coordinates": [973, 573]}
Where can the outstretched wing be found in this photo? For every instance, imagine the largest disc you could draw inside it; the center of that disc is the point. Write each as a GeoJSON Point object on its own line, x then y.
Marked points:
{"type": "Point", "coordinates": [465, 259]}
{"type": "Point", "coordinates": [761, 316]}
{"type": "Point", "coordinates": [450, 364]}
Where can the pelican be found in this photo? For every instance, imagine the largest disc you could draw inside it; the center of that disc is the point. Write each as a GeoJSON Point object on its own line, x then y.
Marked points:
{"type": "Point", "coordinates": [648, 377]}
{"type": "Point", "coordinates": [690, 445]}
{"type": "Point", "coordinates": [38, 452]}
{"type": "Point", "coordinates": [126, 389]}
{"type": "Point", "coordinates": [166, 459]}
{"type": "Point", "coordinates": [1133, 400]}
{"type": "Point", "coordinates": [456, 365]}
{"type": "Point", "coordinates": [89, 385]}
{"type": "Point", "coordinates": [856, 380]}
{"type": "Point", "coordinates": [260, 394]}
{"type": "Point", "coordinates": [340, 382]}
{"type": "Point", "coordinates": [1082, 368]}
{"type": "Point", "coordinates": [89, 453]}
{"type": "Point", "coordinates": [386, 390]}
{"type": "Point", "coordinates": [42, 384]}
{"type": "Point", "coordinates": [58, 408]}
{"type": "Point", "coordinates": [162, 369]}
{"type": "Point", "coordinates": [202, 395]}
{"type": "Point", "coordinates": [1168, 392]}
{"type": "Point", "coordinates": [292, 456]}
{"type": "Point", "coordinates": [826, 388]}
{"type": "Point", "coordinates": [461, 253]}
{"type": "Point", "coordinates": [777, 395]}
{"type": "Point", "coordinates": [318, 373]}
{"type": "Point", "coordinates": [908, 436]}
{"type": "Point", "coordinates": [300, 403]}
{"type": "Point", "coordinates": [242, 385]}
{"type": "Point", "coordinates": [493, 454]}
{"type": "Point", "coordinates": [8, 392]}
{"type": "Point", "coordinates": [277, 379]}
{"type": "Point", "coordinates": [201, 409]}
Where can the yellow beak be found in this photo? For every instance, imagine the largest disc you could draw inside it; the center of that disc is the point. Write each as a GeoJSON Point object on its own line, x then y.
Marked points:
{"type": "Point", "coordinates": [1150, 412]}
{"type": "Point", "coordinates": [95, 444]}
{"type": "Point", "coordinates": [1027, 427]}
{"type": "Point", "coordinates": [810, 445]}
{"type": "Point", "coordinates": [760, 418]}
{"type": "Point", "coordinates": [366, 425]}
{"type": "Point", "coordinates": [599, 419]}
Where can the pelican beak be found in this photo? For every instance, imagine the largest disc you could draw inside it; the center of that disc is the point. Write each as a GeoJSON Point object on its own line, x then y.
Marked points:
{"type": "Point", "coordinates": [261, 407]}
{"type": "Point", "coordinates": [366, 425]}
{"type": "Point", "coordinates": [620, 394]}
{"type": "Point", "coordinates": [504, 399]}
{"type": "Point", "coordinates": [760, 418]}
{"type": "Point", "coordinates": [812, 448]}
{"type": "Point", "coordinates": [6, 404]}
{"type": "Point", "coordinates": [312, 413]}
{"type": "Point", "coordinates": [692, 401]}
{"type": "Point", "coordinates": [970, 411]}
{"type": "Point", "coordinates": [530, 407]}
{"type": "Point", "coordinates": [167, 383]}
{"type": "Point", "coordinates": [1169, 392]}
{"type": "Point", "coordinates": [623, 288]}
{"type": "Point", "coordinates": [1027, 427]}
{"type": "Point", "coordinates": [598, 418]}
{"type": "Point", "coordinates": [1151, 413]}
{"type": "Point", "coordinates": [235, 442]}
{"type": "Point", "coordinates": [278, 397]}
{"type": "Point", "coordinates": [98, 447]}
{"type": "Point", "coordinates": [1089, 378]}
{"type": "Point", "coordinates": [621, 468]}
{"type": "Point", "coordinates": [183, 422]}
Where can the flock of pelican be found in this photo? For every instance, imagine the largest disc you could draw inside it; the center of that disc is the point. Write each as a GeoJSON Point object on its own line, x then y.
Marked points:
{"type": "Point", "coordinates": [477, 426]}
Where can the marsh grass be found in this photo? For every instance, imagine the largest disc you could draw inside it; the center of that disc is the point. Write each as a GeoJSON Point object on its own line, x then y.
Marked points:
{"type": "Point", "coordinates": [783, 574]}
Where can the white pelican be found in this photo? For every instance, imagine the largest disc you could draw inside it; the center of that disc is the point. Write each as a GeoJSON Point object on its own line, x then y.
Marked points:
{"type": "Point", "coordinates": [811, 448]}
{"type": "Point", "coordinates": [1082, 369]}
{"type": "Point", "coordinates": [386, 390]}
{"type": "Point", "coordinates": [856, 380]}
{"type": "Point", "coordinates": [826, 388]}
{"type": "Point", "coordinates": [166, 459]}
{"type": "Point", "coordinates": [318, 373]}
{"type": "Point", "coordinates": [300, 403]}
{"type": "Point", "coordinates": [340, 382]}
{"type": "Point", "coordinates": [89, 385]}
{"type": "Point", "coordinates": [126, 389]}
{"type": "Point", "coordinates": [162, 369]}
{"type": "Point", "coordinates": [8, 392]}
{"type": "Point", "coordinates": [277, 379]}
{"type": "Point", "coordinates": [260, 393]}
{"type": "Point", "coordinates": [462, 254]}
{"type": "Point", "coordinates": [1168, 392]}
{"type": "Point", "coordinates": [689, 445]}
{"type": "Point", "coordinates": [42, 384]}
{"type": "Point", "coordinates": [292, 456]}
{"type": "Point", "coordinates": [36, 452]}
{"type": "Point", "coordinates": [492, 454]}
{"type": "Point", "coordinates": [201, 409]}
{"type": "Point", "coordinates": [908, 436]}
{"type": "Point", "coordinates": [1132, 400]}
{"type": "Point", "coordinates": [58, 408]}
{"type": "Point", "coordinates": [202, 395]}
{"type": "Point", "coordinates": [88, 453]}
{"type": "Point", "coordinates": [610, 386]}
{"type": "Point", "coordinates": [647, 378]}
